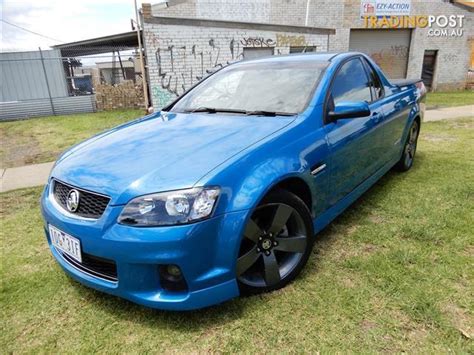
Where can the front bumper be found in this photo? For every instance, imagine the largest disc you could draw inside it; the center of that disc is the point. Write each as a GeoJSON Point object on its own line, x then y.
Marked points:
{"type": "Point", "coordinates": [205, 251]}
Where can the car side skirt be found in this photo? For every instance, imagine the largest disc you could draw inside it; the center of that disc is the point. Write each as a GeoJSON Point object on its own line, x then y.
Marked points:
{"type": "Point", "coordinates": [330, 214]}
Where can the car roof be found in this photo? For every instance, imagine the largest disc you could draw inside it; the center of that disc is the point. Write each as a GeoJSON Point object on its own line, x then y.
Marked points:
{"type": "Point", "coordinates": [300, 57]}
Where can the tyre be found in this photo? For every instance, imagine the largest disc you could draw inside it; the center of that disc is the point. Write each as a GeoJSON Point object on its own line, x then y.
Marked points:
{"type": "Point", "coordinates": [276, 244]}
{"type": "Point", "coordinates": [409, 149]}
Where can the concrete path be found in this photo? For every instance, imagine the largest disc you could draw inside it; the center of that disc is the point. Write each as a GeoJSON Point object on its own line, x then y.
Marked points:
{"type": "Point", "coordinates": [25, 176]}
{"type": "Point", "coordinates": [37, 175]}
{"type": "Point", "coordinates": [449, 112]}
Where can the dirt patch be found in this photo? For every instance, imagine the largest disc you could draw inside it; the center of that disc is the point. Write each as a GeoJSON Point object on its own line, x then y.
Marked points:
{"type": "Point", "coordinates": [469, 251]}
{"type": "Point", "coordinates": [411, 332]}
{"type": "Point", "coordinates": [376, 219]}
{"type": "Point", "coordinates": [416, 336]}
{"type": "Point", "coordinates": [18, 151]}
{"type": "Point", "coordinates": [349, 251]}
{"type": "Point", "coordinates": [368, 325]}
{"type": "Point", "coordinates": [460, 319]}
{"type": "Point", "coordinates": [406, 334]}
{"type": "Point", "coordinates": [369, 249]}
{"type": "Point", "coordinates": [348, 282]}
{"type": "Point", "coordinates": [352, 229]}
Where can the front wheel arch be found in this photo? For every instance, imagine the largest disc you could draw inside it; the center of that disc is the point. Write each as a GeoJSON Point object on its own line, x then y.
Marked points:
{"type": "Point", "coordinates": [298, 187]}
{"type": "Point", "coordinates": [289, 181]}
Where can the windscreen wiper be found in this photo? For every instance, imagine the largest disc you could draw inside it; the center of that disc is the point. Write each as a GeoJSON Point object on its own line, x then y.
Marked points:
{"type": "Point", "coordinates": [215, 110]}
{"type": "Point", "coordinates": [268, 113]}
{"type": "Point", "coordinates": [243, 112]}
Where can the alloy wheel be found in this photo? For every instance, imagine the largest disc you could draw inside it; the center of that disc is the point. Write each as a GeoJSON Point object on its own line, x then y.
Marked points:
{"type": "Point", "coordinates": [410, 147]}
{"type": "Point", "coordinates": [274, 243]}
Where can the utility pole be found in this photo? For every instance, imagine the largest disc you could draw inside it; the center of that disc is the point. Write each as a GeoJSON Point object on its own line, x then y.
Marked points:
{"type": "Point", "coordinates": [142, 62]}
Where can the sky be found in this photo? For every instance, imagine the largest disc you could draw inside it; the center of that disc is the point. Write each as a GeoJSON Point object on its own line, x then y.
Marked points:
{"type": "Point", "coordinates": [63, 20]}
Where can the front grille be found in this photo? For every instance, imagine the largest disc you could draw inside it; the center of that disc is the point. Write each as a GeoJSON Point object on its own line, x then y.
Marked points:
{"type": "Point", "coordinates": [93, 265]}
{"type": "Point", "coordinates": [91, 205]}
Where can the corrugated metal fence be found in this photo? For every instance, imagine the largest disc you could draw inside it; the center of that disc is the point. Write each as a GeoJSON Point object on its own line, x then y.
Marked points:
{"type": "Point", "coordinates": [29, 75]}
{"type": "Point", "coordinates": [42, 107]}
{"type": "Point", "coordinates": [34, 84]}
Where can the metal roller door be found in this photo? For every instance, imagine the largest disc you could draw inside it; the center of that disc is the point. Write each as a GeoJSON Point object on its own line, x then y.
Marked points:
{"type": "Point", "coordinates": [388, 48]}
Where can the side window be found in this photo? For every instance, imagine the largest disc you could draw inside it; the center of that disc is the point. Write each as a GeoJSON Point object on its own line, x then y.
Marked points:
{"type": "Point", "coordinates": [351, 83]}
{"type": "Point", "coordinates": [375, 83]}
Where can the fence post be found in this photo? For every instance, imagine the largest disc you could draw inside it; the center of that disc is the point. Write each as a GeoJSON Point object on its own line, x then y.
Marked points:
{"type": "Point", "coordinates": [47, 82]}
{"type": "Point", "coordinates": [142, 62]}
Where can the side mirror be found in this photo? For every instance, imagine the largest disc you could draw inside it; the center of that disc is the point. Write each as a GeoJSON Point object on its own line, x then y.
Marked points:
{"type": "Point", "coordinates": [349, 110]}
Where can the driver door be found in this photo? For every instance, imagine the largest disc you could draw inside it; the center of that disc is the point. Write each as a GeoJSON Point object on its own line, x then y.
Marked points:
{"type": "Point", "coordinates": [353, 142]}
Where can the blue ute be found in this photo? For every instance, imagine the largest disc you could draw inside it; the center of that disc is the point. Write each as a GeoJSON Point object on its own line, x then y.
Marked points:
{"type": "Point", "coordinates": [222, 192]}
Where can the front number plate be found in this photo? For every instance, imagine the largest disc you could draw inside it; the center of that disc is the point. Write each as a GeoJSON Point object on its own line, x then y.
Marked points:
{"type": "Point", "coordinates": [66, 243]}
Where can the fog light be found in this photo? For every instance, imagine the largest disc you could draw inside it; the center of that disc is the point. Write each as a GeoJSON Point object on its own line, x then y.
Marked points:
{"type": "Point", "coordinates": [172, 278]}
{"type": "Point", "coordinates": [174, 271]}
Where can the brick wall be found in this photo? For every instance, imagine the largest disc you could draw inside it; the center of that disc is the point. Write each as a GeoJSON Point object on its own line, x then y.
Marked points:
{"type": "Point", "coordinates": [342, 15]}
{"type": "Point", "coordinates": [453, 52]}
{"type": "Point", "coordinates": [323, 13]}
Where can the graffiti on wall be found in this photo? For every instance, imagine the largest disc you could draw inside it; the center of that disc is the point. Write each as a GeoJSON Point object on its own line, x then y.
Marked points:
{"type": "Point", "coordinates": [161, 97]}
{"type": "Point", "coordinates": [450, 57]}
{"type": "Point", "coordinates": [257, 42]}
{"type": "Point", "coordinates": [179, 67]}
{"type": "Point", "coordinates": [392, 60]}
{"type": "Point", "coordinates": [391, 52]}
{"type": "Point", "coordinates": [283, 40]}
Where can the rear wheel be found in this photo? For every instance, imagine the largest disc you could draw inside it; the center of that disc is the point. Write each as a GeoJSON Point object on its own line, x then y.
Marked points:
{"type": "Point", "coordinates": [276, 244]}
{"type": "Point", "coordinates": [409, 150]}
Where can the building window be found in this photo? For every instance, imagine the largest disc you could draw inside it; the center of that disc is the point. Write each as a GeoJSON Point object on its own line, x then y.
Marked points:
{"type": "Point", "coordinates": [304, 49]}
{"type": "Point", "coordinates": [252, 53]}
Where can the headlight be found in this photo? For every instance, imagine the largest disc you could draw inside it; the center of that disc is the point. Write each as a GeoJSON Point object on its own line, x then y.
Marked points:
{"type": "Point", "coordinates": [170, 208]}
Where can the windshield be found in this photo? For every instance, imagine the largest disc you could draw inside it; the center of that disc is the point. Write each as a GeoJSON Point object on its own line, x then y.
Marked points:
{"type": "Point", "coordinates": [267, 87]}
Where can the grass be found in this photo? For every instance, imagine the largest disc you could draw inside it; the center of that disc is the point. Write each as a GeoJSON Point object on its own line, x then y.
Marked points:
{"type": "Point", "coordinates": [449, 99]}
{"type": "Point", "coordinates": [41, 140]}
{"type": "Point", "coordinates": [393, 273]}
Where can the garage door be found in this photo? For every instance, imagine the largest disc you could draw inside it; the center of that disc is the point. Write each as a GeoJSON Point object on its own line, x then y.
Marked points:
{"type": "Point", "coordinates": [388, 48]}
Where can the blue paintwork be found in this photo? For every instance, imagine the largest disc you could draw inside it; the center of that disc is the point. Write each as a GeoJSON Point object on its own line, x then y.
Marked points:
{"type": "Point", "coordinates": [174, 151]}
{"type": "Point", "coordinates": [246, 157]}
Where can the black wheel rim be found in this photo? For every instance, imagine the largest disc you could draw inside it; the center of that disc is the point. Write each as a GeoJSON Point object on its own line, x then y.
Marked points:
{"type": "Point", "coordinates": [410, 146]}
{"type": "Point", "coordinates": [274, 242]}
